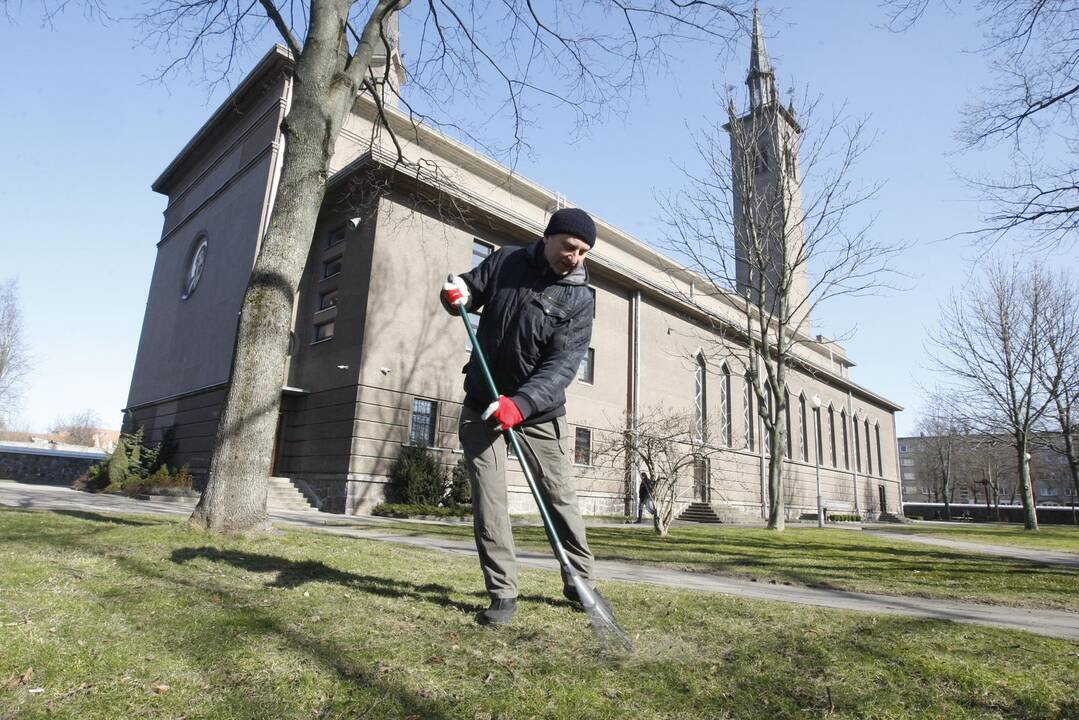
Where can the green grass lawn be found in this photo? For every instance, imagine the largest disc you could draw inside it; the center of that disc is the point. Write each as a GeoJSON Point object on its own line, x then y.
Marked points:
{"type": "Point", "coordinates": [843, 559]}
{"type": "Point", "coordinates": [131, 616]}
{"type": "Point", "coordinates": [1049, 537]}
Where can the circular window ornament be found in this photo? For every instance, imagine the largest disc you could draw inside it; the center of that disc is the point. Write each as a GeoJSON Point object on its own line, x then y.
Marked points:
{"type": "Point", "coordinates": [194, 267]}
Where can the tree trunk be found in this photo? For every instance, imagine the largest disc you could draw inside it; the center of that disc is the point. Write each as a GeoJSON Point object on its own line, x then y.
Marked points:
{"type": "Point", "coordinates": [1064, 414]}
{"type": "Point", "coordinates": [947, 498]}
{"type": "Point", "coordinates": [1030, 514]}
{"type": "Point", "coordinates": [776, 513]}
{"type": "Point", "coordinates": [664, 515]}
{"type": "Point", "coordinates": [235, 496]}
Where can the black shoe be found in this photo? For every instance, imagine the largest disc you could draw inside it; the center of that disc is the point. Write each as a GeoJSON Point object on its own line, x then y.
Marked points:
{"type": "Point", "coordinates": [571, 594]}
{"type": "Point", "coordinates": [500, 612]}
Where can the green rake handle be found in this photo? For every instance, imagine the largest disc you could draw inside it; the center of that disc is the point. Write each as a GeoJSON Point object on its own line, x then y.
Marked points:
{"type": "Point", "coordinates": [548, 525]}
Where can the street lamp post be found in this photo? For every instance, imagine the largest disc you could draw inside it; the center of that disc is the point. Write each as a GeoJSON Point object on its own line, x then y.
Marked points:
{"type": "Point", "coordinates": [816, 455]}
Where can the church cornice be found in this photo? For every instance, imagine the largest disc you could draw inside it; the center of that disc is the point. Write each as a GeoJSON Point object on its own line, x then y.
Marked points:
{"type": "Point", "coordinates": [678, 300]}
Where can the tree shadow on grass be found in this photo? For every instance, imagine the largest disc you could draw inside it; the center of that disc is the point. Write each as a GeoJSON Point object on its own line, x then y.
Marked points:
{"type": "Point", "coordinates": [294, 573]}
{"type": "Point", "coordinates": [103, 518]}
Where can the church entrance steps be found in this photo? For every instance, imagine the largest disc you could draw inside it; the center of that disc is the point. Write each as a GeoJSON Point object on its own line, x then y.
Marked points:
{"type": "Point", "coordinates": [282, 494]}
{"type": "Point", "coordinates": [700, 512]}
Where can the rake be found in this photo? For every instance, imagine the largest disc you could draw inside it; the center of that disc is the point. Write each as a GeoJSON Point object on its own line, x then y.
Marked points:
{"type": "Point", "coordinates": [600, 616]}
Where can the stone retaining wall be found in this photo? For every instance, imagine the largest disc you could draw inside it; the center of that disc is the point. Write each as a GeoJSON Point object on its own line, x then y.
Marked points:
{"type": "Point", "coordinates": [44, 466]}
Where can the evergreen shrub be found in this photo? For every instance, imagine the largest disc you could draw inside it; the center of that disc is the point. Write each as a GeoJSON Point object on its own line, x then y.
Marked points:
{"type": "Point", "coordinates": [417, 478]}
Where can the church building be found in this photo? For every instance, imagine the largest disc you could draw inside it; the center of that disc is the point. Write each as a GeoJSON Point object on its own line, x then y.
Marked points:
{"type": "Point", "coordinates": [374, 363]}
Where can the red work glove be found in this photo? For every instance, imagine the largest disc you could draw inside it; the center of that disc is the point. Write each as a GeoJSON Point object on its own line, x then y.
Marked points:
{"type": "Point", "coordinates": [505, 412]}
{"type": "Point", "coordinates": [455, 293]}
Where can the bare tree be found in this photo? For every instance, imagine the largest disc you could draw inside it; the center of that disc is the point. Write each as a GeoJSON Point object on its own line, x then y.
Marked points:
{"type": "Point", "coordinates": [672, 447]}
{"type": "Point", "coordinates": [939, 450]}
{"type": "Point", "coordinates": [990, 344]}
{"type": "Point", "coordinates": [14, 360]}
{"type": "Point", "coordinates": [77, 429]}
{"type": "Point", "coordinates": [1060, 370]}
{"type": "Point", "coordinates": [1032, 47]}
{"type": "Point", "coordinates": [584, 56]}
{"type": "Point", "coordinates": [772, 217]}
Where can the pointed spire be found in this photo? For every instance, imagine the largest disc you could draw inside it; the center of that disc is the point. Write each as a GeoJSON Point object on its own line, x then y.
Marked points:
{"type": "Point", "coordinates": [761, 79]}
{"type": "Point", "coordinates": [758, 58]}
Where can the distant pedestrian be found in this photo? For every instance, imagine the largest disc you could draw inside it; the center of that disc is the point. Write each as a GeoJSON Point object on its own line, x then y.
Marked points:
{"type": "Point", "coordinates": [644, 497]}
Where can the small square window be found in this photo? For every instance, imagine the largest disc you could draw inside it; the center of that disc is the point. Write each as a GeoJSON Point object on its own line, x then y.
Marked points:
{"type": "Point", "coordinates": [480, 251]}
{"type": "Point", "coordinates": [335, 236]}
{"type": "Point", "coordinates": [586, 372]}
{"type": "Point", "coordinates": [592, 292]}
{"type": "Point", "coordinates": [327, 299]}
{"type": "Point", "coordinates": [331, 267]}
{"type": "Point", "coordinates": [422, 429]}
{"type": "Point", "coordinates": [582, 447]}
{"type": "Point", "coordinates": [323, 331]}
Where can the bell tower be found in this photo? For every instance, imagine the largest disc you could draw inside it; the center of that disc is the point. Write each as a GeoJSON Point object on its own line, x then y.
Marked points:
{"type": "Point", "coordinates": [769, 235]}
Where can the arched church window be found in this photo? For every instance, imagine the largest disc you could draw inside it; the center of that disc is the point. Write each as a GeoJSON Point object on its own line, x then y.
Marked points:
{"type": "Point", "coordinates": [831, 432]}
{"type": "Point", "coordinates": [880, 457]}
{"type": "Point", "coordinates": [857, 446]}
{"type": "Point", "coordinates": [700, 397]}
{"type": "Point", "coordinates": [788, 447]}
{"type": "Point", "coordinates": [868, 450]}
{"type": "Point", "coordinates": [803, 429]}
{"type": "Point", "coordinates": [725, 407]}
{"type": "Point", "coordinates": [846, 443]}
{"type": "Point", "coordinates": [747, 403]}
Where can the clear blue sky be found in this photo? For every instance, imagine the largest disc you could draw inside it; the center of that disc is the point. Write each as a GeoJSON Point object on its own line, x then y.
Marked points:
{"type": "Point", "coordinates": [85, 133]}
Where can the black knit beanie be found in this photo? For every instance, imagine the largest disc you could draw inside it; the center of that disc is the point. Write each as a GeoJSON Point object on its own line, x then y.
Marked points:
{"type": "Point", "coordinates": [572, 221]}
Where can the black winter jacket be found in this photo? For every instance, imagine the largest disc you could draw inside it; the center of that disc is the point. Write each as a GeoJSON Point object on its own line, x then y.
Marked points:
{"type": "Point", "coordinates": [534, 331]}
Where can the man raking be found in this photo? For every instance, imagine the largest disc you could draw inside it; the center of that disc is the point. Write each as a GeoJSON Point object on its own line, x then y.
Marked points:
{"type": "Point", "coordinates": [534, 330]}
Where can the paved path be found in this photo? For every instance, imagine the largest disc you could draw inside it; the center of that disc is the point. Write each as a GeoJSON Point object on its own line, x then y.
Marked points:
{"type": "Point", "coordinates": [1044, 557]}
{"type": "Point", "coordinates": [1054, 623]}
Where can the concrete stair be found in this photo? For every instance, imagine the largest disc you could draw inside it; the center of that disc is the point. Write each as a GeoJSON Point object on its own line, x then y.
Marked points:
{"type": "Point", "coordinates": [284, 495]}
{"type": "Point", "coordinates": [891, 518]}
{"type": "Point", "coordinates": [700, 512]}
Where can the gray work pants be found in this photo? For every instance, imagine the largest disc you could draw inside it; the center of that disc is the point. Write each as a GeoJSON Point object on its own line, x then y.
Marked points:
{"type": "Point", "coordinates": [485, 456]}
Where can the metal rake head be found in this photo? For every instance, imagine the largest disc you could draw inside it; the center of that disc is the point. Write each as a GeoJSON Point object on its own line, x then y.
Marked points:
{"type": "Point", "coordinates": [601, 617]}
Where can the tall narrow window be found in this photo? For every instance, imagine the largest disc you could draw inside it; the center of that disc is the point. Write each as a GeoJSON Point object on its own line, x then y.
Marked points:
{"type": "Point", "coordinates": [700, 399]}
{"type": "Point", "coordinates": [880, 457]}
{"type": "Point", "coordinates": [802, 427]}
{"type": "Point", "coordinates": [586, 371]}
{"type": "Point", "coordinates": [422, 430]}
{"type": "Point", "coordinates": [480, 250]}
{"type": "Point", "coordinates": [846, 442]}
{"type": "Point", "coordinates": [831, 432]}
{"type": "Point", "coordinates": [788, 448]}
{"type": "Point", "coordinates": [747, 403]}
{"type": "Point", "coordinates": [857, 446]}
{"type": "Point", "coordinates": [818, 444]}
{"type": "Point", "coordinates": [868, 450]}
{"type": "Point", "coordinates": [766, 411]}
{"type": "Point", "coordinates": [582, 446]}
{"type": "Point", "coordinates": [725, 407]}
